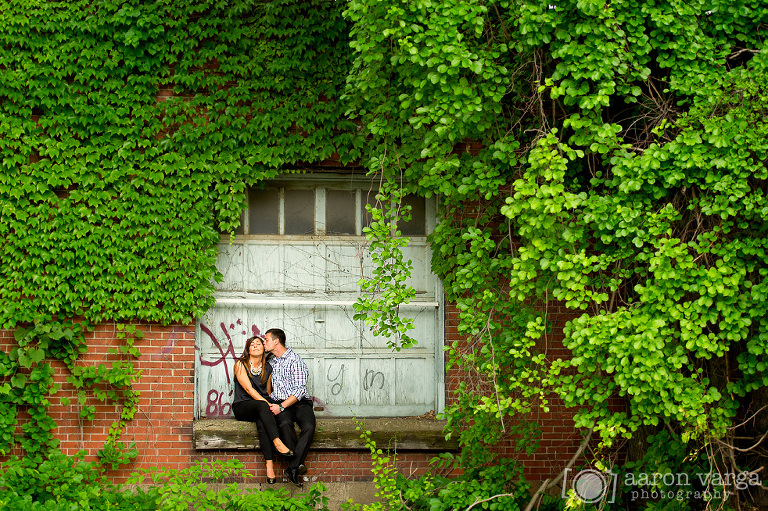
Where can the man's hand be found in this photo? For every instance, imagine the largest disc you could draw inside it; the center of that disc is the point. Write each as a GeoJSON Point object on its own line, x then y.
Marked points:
{"type": "Point", "coordinates": [275, 409]}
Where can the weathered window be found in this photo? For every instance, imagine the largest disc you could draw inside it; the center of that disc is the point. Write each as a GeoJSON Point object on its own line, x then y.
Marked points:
{"type": "Point", "coordinates": [295, 264]}
{"type": "Point", "coordinates": [340, 211]}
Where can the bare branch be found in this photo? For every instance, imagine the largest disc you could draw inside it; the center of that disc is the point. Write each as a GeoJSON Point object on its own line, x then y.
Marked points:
{"type": "Point", "coordinates": [750, 418]}
{"type": "Point", "coordinates": [547, 484]}
{"type": "Point", "coordinates": [490, 498]}
{"type": "Point", "coordinates": [745, 50]}
{"type": "Point", "coordinates": [748, 448]}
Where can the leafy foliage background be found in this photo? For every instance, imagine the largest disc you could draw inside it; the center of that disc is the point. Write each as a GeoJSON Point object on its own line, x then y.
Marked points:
{"type": "Point", "coordinates": [131, 130]}
{"type": "Point", "coordinates": [609, 157]}
{"type": "Point", "coordinates": [617, 168]}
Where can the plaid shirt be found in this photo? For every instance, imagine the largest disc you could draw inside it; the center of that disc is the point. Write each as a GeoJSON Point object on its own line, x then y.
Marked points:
{"type": "Point", "coordinates": [289, 376]}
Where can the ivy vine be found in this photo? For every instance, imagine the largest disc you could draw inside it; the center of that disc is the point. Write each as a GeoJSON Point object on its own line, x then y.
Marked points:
{"type": "Point", "coordinates": [605, 158]}
{"type": "Point", "coordinates": [602, 169]}
{"type": "Point", "coordinates": [131, 131]}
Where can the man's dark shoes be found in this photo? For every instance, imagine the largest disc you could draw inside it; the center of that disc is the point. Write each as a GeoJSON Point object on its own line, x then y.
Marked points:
{"type": "Point", "coordinates": [293, 476]}
{"type": "Point", "coordinates": [301, 469]}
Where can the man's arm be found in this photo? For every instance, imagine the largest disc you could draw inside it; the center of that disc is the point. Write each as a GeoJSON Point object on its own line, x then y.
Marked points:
{"type": "Point", "coordinates": [297, 385]}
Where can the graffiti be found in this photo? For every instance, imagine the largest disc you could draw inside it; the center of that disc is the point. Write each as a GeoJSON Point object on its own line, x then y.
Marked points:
{"type": "Point", "coordinates": [223, 358]}
{"type": "Point", "coordinates": [370, 379]}
{"type": "Point", "coordinates": [337, 387]}
{"type": "Point", "coordinates": [215, 406]}
{"type": "Point", "coordinates": [230, 349]}
{"type": "Point", "coordinates": [348, 382]}
{"type": "Point", "coordinates": [318, 404]}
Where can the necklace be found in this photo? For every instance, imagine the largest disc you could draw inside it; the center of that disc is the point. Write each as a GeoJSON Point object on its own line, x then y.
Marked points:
{"type": "Point", "coordinates": [255, 371]}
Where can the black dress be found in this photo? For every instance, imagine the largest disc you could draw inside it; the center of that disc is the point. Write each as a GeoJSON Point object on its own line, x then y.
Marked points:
{"type": "Point", "coordinates": [251, 410]}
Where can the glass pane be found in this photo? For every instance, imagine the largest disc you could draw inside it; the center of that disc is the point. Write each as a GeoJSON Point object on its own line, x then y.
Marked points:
{"type": "Point", "coordinates": [263, 209]}
{"type": "Point", "coordinates": [300, 212]}
{"type": "Point", "coordinates": [340, 212]}
{"type": "Point", "coordinates": [417, 224]}
{"type": "Point", "coordinates": [239, 228]}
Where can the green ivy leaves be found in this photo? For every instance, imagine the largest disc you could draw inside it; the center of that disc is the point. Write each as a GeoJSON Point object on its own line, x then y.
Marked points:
{"type": "Point", "coordinates": [600, 158]}
{"type": "Point", "coordinates": [386, 290]}
{"type": "Point", "coordinates": [130, 132]}
{"type": "Point", "coordinates": [607, 156]}
{"type": "Point", "coordinates": [133, 129]}
{"type": "Point", "coordinates": [31, 384]}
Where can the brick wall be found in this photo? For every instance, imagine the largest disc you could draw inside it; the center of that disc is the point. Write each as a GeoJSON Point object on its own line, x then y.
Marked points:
{"type": "Point", "coordinates": [559, 441]}
{"type": "Point", "coordinates": [162, 427]}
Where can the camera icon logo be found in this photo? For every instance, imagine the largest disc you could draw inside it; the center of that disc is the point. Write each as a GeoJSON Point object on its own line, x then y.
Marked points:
{"type": "Point", "coordinates": [590, 486]}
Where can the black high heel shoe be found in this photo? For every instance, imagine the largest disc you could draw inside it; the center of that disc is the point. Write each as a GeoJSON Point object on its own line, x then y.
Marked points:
{"type": "Point", "coordinates": [288, 454]}
{"type": "Point", "coordinates": [271, 480]}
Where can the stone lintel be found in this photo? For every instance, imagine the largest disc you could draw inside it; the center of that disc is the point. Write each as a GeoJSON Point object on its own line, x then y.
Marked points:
{"type": "Point", "coordinates": [402, 434]}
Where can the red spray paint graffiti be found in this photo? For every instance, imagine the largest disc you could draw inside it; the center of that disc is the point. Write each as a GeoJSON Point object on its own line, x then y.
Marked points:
{"type": "Point", "coordinates": [215, 405]}
{"type": "Point", "coordinates": [230, 348]}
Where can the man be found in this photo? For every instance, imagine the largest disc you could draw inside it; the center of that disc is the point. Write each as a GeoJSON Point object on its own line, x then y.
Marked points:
{"type": "Point", "coordinates": [289, 391]}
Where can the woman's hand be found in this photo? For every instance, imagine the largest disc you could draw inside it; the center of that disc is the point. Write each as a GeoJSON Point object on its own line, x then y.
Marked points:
{"type": "Point", "coordinates": [274, 408]}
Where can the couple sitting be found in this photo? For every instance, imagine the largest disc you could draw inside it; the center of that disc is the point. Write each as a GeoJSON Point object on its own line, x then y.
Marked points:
{"type": "Point", "coordinates": [273, 394]}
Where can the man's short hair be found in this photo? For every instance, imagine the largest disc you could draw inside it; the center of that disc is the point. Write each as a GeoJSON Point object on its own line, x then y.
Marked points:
{"type": "Point", "coordinates": [276, 332]}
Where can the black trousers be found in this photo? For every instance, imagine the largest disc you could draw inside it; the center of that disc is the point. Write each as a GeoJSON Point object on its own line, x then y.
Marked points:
{"type": "Point", "coordinates": [303, 414]}
{"type": "Point", "coordinates": [259, 412]}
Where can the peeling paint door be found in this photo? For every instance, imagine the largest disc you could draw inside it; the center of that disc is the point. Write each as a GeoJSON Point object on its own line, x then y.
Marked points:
{"type": "Point", "coordinates": [306, 285]}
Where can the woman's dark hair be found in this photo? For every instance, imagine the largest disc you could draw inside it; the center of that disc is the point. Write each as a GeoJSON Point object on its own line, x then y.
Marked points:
{"type": "Point", "coordinates": [245, 358]}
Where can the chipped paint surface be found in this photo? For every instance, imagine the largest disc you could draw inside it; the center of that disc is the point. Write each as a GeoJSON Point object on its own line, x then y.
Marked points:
{"type": "Point", "coordinates": [306, 286]}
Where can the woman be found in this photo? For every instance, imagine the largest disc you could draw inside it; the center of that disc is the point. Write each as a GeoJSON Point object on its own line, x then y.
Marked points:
{"type": "Point", "coordinates": [253, 385]}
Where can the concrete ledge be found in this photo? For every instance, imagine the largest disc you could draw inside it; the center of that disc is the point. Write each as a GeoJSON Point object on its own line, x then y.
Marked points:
{"type": "Point", "coordinates": [403, 434]}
